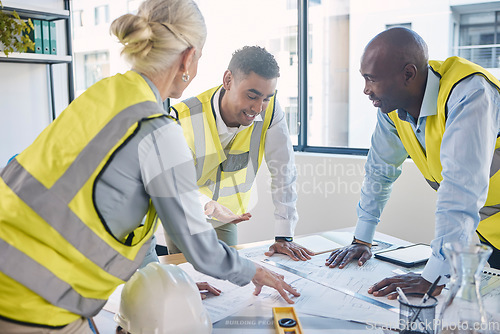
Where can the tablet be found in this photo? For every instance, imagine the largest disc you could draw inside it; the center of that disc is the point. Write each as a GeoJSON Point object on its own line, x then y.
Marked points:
{"type": "Point", "coordinates": [408, 256]}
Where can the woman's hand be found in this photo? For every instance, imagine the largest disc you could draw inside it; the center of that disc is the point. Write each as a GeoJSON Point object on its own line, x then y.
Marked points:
{"type": "Point", "coordinates": [220, 212]}
{"type": "Point", "coordinates": [205, 288]}
{"type": "Point", "coordinates": [264, 276]}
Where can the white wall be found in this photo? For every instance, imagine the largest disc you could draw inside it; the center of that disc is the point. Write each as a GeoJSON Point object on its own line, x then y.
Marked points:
{"type": "Point", "coordinates": [328, 191]}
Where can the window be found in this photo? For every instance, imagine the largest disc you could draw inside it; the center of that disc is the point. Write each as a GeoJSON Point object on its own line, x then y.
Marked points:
{"type": "Point", "coordinates": [479, 38]}
{"type": "Point", "coordinates": [96, 67]}
{"type": "Point", "coordinates": [402, 25]}
{"type": "Point", "coordinates": [101, 15]}
{"type": "Point", "coordinates": [259, 26]}
{"type": "Point", "coordinates": [320, 41]}
{"type": "Point", "coordinates": [292, 118]}
{"type": "Point", "coordinates": [328, 74]}
{"type": "Point", "coordinates": [77, 19]}
{"type": "Point", "coordinates": [291, 44]}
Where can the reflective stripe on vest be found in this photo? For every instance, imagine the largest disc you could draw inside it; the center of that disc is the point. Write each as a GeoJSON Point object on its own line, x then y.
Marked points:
{"type": "Point", "coordinates": [250, 160]}
{"type": "Point", "coordinates": [199, 136]}
{"type": "Point", "coordinates": [200, 127]}
{"type": "Point", "coordinates": [52, 206]}
{"type": "Point", "coordinates": [451, 72]}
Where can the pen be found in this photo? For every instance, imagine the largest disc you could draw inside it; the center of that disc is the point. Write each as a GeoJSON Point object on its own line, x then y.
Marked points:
{"type": "Point", "coordinates": [425, 298]}
{"type": "Point", "coordinates": [402, 295]}
{"type": "Point", "coordinates": [429, 292]}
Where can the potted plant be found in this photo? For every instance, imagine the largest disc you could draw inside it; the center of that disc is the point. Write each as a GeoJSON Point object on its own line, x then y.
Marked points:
{"type": "Point", "coordinates": [14, 33]}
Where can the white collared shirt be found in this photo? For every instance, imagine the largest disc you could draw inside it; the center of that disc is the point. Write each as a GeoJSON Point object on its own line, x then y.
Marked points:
{"type": "Point", "coordinates": [280, 160]}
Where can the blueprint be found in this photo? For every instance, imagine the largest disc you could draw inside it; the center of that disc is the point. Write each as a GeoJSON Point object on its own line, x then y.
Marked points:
{"type": "Point", "coordinates": [330, 297]}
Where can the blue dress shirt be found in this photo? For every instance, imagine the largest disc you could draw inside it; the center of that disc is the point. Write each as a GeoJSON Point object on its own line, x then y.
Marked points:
{"type": "Point", "coordinates": [467, 147]}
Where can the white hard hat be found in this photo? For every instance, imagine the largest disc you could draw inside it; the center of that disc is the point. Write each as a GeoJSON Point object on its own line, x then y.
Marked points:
{"type": "Point", "coordinates": [161, 299]}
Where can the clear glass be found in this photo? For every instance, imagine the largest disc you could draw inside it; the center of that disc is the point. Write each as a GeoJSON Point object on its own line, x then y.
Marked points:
{"type": "Point", "coordinates": [478, 18]}
{"type": "Point", "coordinates": [232, 24]}
{"type": "Point", "coordinates": [339, 114]}
{"type": "Point", "coordinates": [228, 30]}
{"type": "Point", "coordinates": [328, 74]}
{"type": "Point", "coordinates": [463, 311]}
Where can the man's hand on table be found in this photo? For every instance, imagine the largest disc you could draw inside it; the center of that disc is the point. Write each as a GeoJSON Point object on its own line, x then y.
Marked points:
{"type": "Point", "coordinates": [225, 215]}
{"type": "Point", "coordinates": [205, 288]}
{"type": "Point", "coordinates": [344, 255]}
{"type": "Point", "coordinates": [264, 276]}
{"type": "Point", "coordinates": [290, 248]}
{"type": "Point", "coordinates": [409, 283]}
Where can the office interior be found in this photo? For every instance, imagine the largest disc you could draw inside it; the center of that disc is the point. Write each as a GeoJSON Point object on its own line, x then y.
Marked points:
{"type": "Point", "coordinates": [329, 181]}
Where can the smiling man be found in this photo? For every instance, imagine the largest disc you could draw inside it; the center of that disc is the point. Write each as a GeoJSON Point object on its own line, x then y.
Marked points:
{"type": "Point", "coordinates": [230, 129]}
{"type": "Point", "coordinates": [446, 116]}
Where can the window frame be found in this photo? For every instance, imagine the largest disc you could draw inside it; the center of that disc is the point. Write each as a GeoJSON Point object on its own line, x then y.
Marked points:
{"type": "Point", "coordinates": [303, 100]}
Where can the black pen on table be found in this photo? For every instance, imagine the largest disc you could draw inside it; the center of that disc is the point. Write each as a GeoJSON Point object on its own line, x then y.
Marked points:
{"type": "Point", "coordinates": [429, 292]}
{"type": "Point", "coordinates": [426, 297]}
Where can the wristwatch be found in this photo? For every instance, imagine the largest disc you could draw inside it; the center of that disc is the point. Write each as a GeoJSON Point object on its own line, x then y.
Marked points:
{"type": "Point", "coordinates": [289, 239]}
{"type": "Point", "coordinates": [356, 241]}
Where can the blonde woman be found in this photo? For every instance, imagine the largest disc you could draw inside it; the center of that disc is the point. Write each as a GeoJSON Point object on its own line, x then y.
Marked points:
{"type": "Point", "coordinates": [72, 203]}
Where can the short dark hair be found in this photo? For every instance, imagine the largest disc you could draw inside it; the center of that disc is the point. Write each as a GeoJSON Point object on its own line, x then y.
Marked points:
{"type": "Point", "coordinates": [254, 59]}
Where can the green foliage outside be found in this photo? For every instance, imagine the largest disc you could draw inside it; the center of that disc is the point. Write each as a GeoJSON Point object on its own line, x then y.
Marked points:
{"type": "Point", "coordinates": [14, 33]}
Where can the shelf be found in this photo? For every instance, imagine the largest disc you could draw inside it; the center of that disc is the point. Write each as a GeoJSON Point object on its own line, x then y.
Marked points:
{"type": "Point", "coordinates": [40, 58]}
{"type": "Point", "coordinates": [35, 12]}
{"type": "Point", "coordinates": [51, 12]}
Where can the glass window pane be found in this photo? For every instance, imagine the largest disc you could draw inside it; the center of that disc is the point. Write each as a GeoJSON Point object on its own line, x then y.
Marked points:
{"type": "Point", "coordinates": [77, 19]}
{"type": "Point", "coordinates": [478, 18]}
{"type": "Point", "coordinates": [101, 15]}
{"type": "Point", "coordinates": [479, 35]}
{"type": "Point", "coordinates": [477, 32]}
{"type": "Point", "coordinates": [96, 67]}
{"type": "Point", "coordinates": [328, 74]}
{"type": "Point", "coordinates": [338, 113]}
{"type": "Point", "coordinates": [402, 25]}
{"type": "Point", "coordinates": [229, 30]}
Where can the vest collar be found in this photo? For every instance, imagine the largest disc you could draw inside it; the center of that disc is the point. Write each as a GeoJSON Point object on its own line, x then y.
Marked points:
{"type": "Point", "coordinates": [429, 102]}
{"type": "Point", "coordinates": [153, 88]}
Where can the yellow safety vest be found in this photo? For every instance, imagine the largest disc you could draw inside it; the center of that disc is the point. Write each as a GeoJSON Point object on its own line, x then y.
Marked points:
{"type": "Point", "coordinates": [452, 71]}
{"type": "Point", "coordinates": [225, 175]}
{"type": "Point", "coordinates": [58, 262]}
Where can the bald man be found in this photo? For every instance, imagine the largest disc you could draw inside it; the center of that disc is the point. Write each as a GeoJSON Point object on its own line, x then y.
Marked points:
{"type": "Point", "coordinates": [446, 116]}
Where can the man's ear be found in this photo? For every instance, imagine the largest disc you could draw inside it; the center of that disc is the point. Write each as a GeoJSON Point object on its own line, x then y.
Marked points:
{"type": "Point", "coordinates": [410, 72]}
{"type": "Point", "coordinates": [227, 80]}
{"type": "Point", "coordinates": [187, 58]}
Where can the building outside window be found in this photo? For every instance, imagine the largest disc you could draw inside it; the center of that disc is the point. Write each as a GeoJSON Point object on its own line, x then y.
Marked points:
{"type": "Point", "coordinates": [96, 67]}
{"type": "Point", "coordinates": [401, 25]}
{"type": "Point", "coordinates": [342, 119]}
{"type": "Point", "coordinates": [479, 38]}
{"type": "Point", "coordinates": [101, 14]}
{"type": "Point", "coordinates": [77, 19]}
{"type": "Point", "coordinates": [292, 118]}
{"type": "Point", "coordinates": [328, 73]}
